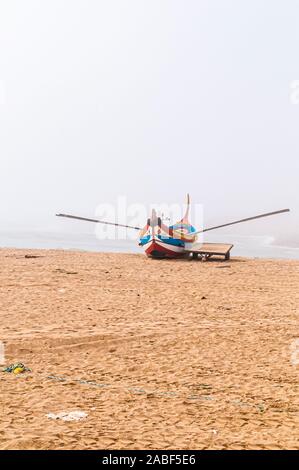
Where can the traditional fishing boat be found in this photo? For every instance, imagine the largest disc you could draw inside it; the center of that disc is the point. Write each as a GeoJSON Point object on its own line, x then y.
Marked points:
{"type": "Point", "coordinates": [179, 239]}
{"type": "Point", "coordinates": [160, 241]}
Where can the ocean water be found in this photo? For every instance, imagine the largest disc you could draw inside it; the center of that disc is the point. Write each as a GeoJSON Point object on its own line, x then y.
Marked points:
{"type": "Point", "coordinates": [248, 246]}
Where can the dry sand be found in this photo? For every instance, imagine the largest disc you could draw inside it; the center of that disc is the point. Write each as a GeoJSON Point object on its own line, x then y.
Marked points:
{"type": "Point", "coordinates": [182, 355]}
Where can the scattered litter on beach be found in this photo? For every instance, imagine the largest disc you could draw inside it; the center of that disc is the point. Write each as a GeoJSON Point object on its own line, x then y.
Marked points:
{"type": "Point", "coordinates": [71, 416]}
{"type": "Point", "coordinates": [63, 271]}
{"type": "Point", "coordinates": [260, 407]}
{"type": "Point", "coordinates": [16, 369]}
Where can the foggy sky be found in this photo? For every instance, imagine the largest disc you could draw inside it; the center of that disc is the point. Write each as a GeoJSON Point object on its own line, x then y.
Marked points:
{"type": "Point", "coordinates": [150, 100]}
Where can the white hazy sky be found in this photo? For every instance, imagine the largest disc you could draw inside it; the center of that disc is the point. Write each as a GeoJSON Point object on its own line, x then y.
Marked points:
{"type": "Point", "coordinates": [149, 99]}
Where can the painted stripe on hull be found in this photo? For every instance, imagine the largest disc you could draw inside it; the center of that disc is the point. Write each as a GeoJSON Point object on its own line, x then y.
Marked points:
{"type": "Point", "coordinates": [157, 249]}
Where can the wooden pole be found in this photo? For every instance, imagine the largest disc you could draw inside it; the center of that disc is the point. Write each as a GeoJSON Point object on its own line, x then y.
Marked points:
{"type": "Point", "coordinates": [244, 220]}
{"type": "Point", "coordinates": [67, 216]}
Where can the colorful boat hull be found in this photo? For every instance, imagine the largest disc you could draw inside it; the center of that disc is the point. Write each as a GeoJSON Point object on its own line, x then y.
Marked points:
{"type": "Point", "coordinates": [161, 241]}
{"type": "Point", "coordinates": [156, 248]}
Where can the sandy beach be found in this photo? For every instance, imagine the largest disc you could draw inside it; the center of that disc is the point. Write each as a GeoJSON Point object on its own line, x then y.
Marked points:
{"type": "Point", "coordinates": [158, 354]}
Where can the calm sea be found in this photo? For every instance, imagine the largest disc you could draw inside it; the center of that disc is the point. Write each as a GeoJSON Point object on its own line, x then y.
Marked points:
{"type": "Point", "coordinates": [249, 246]}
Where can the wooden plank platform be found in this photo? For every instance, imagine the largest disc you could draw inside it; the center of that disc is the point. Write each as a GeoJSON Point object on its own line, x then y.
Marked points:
{"type": "Point", "coordinates": [206, 250]}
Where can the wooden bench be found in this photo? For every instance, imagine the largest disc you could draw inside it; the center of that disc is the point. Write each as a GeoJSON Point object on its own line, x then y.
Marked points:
{"type": "Point", "coordinates": [206, 250]}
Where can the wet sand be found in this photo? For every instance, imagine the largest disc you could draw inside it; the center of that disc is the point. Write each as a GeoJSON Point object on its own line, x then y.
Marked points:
{"type": "Point", "coordinates": [159, 354]}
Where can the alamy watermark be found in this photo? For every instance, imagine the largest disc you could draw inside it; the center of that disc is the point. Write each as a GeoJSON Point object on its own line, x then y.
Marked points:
{"type": "Point", "coordinates": [2, 92]}
{"type": "Point", "coordinates": [136, 215]}
{"type": "Point", "coordinates": [294, 92]}
{"type": "Point", "coordinates": [295, 352]}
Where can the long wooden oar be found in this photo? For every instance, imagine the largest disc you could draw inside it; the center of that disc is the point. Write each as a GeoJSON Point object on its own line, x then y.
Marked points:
{"type": "Point", "coordinates": [243, 220]}
{"type": "Point", "coordinates": [96, 221]}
